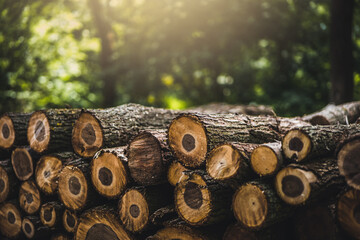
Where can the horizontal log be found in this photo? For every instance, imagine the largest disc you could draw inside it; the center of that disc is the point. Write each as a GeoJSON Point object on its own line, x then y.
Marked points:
{"type": "Point", "coordinates": [224, 108]}
{"type": "Point", "coordinates": [22, 160]}
{"type": "Point", "coordinates": [51, 214]}
{"type": "Point", "coordinates": [176, 173]}
{"type": "Point", "coordinates": [13, 127]}
{"type": "Point", "coordinates": [267, 159]}
{"type": "Point", "coordinates": [9, 184]}
{"type": "Point", "coordinates": [61, 236]}
{"type": "Point", "coordinates": [29, 197]}
{"type": "Point", "coordinates": [10, 219]}
{"type": "Point", "coordinates": [177, 233]}
{"type": "Point", "coordinates": [33, 228]}
{"type": "Point", "coordinates": [70, 220]}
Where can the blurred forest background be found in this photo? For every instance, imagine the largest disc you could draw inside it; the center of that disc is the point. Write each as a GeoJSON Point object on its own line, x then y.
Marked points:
{"type": "Point", "coordinates": [176, 53]}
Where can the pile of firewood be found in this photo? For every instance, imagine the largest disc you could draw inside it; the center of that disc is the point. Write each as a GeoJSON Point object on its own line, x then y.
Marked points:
{"type": "Point", "coordinates": [214, 172]}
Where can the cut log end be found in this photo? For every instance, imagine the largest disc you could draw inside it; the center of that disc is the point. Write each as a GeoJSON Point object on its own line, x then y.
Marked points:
{"type": "Point", "coordinates": [319, 120]}
{"type": "Point", "coordinates": [38, 133]}
{"type": "Point", "coordinates": [10, 220]}
{"type": "Point", "coordinates": [348, 162]}
{"type": "Point", "coordinates": [7, 132]}
{"type": "Point", "coordinates": [293, 185]}
{"type": "Point", "coordinates": [47, 172]}
{"type": "Point", "coordinates": [49, 214]}
{"type": "Point", "coordinates": [22, 164]}
{"type": "Point", "coordinates": [250, 206]}
{"type": "Point", "coordinates": [176, 173]}
{"type": "Point", "coordinates": [108, 175]}
{"type": "Point", "coordinates": [265, 161]}
{"type": "Point", "coordinates": [348, 212]}
{"type": "Point", "coordinates": [70, 221]}
{"type": "Point", "coordinates": [187, 139]}
{"type": "Point", "coordinates": [87, 135]}
{"type": "Point", "coordinates": [223, 162]}
{"type": "Point", "coordinates": [192, 200]}
{"type": "Point", "coordinates": [174, 233]}
{"type": "Point", "coordinates": [29, 197]}
{"type": "Point", "coordinates": [28, 228]}
{"type": "Point", "coordinates": [133, 210]}
{"type": "Point", "coordinates": [4, 184]}
{"type": "Point", "coordinates": [96, 224]}
{"type": "Point", "coordinates": [296, 145]}
{"type": "Point", "coordinates": [73, 188]}
{"type": "Point", "coordinates": [145, 159]}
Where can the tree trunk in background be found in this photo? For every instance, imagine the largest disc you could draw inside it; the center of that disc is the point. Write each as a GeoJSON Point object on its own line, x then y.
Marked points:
{"type": "Point", "coordinates": [341, 46]}
{"type": "Point", "coordinates": [106, 36]}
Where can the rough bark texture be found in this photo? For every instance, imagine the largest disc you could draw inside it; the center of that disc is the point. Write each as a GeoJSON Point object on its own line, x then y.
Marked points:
{"type": "Point", "coordinates": [9, 183]}
{"type": "Point", "coordinates": [222, 108]}
{"type": "Point", "coordinates": [19, 128]}
{"type": "Point", "coordinates": [34, 229]}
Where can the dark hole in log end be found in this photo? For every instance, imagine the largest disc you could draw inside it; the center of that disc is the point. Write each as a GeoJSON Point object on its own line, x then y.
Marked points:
{"type": "Point", "coordinates": [292, 186]}
{"type": "Point", "coordinates": [105, 176]}
{"type": "Point", "coordinates": [296, 144]}
{"type": "Point", "coordinates": [2, 185]}
{"type": "Point", "coordinates": [74, 185]}
{"type": "Point", "coordinates": [88, 134]}
{"type": "Point", "coordinates": [48, 214]}
{"type": "Point", "coordinates": [27, 228]}
{"type": "Point", "coordinates": [101, 231]}
{"type": "Point", "coordinates": [29, 198]}
{"type": "Point", "coordinates": [46, 174]}
{"type": "Point", "coordinates": [134, 211]}
{"type": "Point", "coordinates": [193, 196]}
{"type": "Point", "coordinates": [5, 131]}
{"type": "Point", "coordinates": [70, 220]}
{"type": "Point", "coordinates": [11, 217]}
{"type": "Point", "coordinates": [188, 142]}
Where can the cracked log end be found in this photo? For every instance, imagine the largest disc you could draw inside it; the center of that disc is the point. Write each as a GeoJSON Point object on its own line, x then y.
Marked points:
{"type": "Point", "coordinates": [87, 135]}
{"type": "Point", "coordinates": [47, 172]}
{"type": "Point", "coordinates": [296, 145]}
{"type": "Point", "coordinates": [10, 220]}
{"type": "Point", "coordinates": [250, 206]}
{"type": "Point", "coordinates": [176, 173]}
{"type": "Point", "coordinates": [108, 175]}
{"type": "Point", "coordinates": [223, 162]}
{"type": "Point", "coordinates": [266, 160]}
{"type": "Point", "coordinates": [7, 132]}
{"type": "Point", "coordinates": [175, 233]}
{"type": "Point", "coordinates": [38, 132]}
{"type": "Point", "coordinates": [348, 212]}
{"type": "Point", "coordinates": [133, 210]}
{"type": "Point", "coordinates": [70, 221]}
{"type": "Point", "coordinates": [29, 197]}
{"type": "Point", "coordinates": [4, 184]}
{"type": "Point", "coordinates": [187, 139]}
{"type": "Point", "coordinates": [348, 162]}
{"type": "Point", "coordinates": [193, 200]}
{"type": "Point", "coordinates": [22, 163]}
{"type": "Point", "coordinates": [73, 188]}
{"type": "Point", "coordinates": [28, 228]}
{"type": "Point", "coordinates": [293, 185]}
{"type": "Point", "coordinates": [100, 224]}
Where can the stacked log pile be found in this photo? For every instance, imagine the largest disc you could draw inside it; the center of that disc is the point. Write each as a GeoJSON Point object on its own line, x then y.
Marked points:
{"type": "Point", "coordinates": [135, 172]}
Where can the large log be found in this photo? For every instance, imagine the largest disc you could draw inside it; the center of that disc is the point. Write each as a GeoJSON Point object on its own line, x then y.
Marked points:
{"type": "Point", "coordinates": [200, 200]}
{"type": "Point", "coordinates": [22, 160]}
{"type": "Point", "coordinates": [298, 184]}
{"type": "Point", "coordinates": [51, 130]}
{"type": "Point", "coordinates": [9, 184]}
{"type": "Point", "coordinates": [181, 233]}
{"type": "Point", "coordinates": [100, 223]}
{"type": "Point", "coordinates": [306, 143]}
{"type": "Point", "coordinates": [34, 229]}
{"type": "Point", "coordinates": [13, 127]}
{"type": "Point", "coordinates": [60, 236]}
{"type": "Point", "coordinates": [109, 171]}
{"type": "Point", "coordinates": [222, 108]}
{"type": "Point", "coordinates": [192, 136]}
{"type": "Point", "coordinates": [48, 169]}
{"type": "Point", "coordinates": [10, 220]}
{"type": "Point", "coordinates": [99, 128]}
{"type": "Point", "coordinates": [335, 114]}
{"type": "Point", "coordinates": [51, 214]}
{"type": "Point", "coordinates": [29, 197]}
{"type": "Point", "coordinates": [70, 221]}
{"type": "Point", "coordinates": [267, 159]}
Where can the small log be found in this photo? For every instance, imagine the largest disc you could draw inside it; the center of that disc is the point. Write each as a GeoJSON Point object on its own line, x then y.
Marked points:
{"type": "Point", "coordinates": [335, 114]}
{"type": "Point", "coordinates": [105, 128]}
{"type": "Point", "coordinates": [109, 172]}
{"type": "Point", "coordinates": [298, 184]}
{"type": "Point", "coordinates": [256, 205]}
{"type": "Point", "coordinates": [74, 188]}
{"type": "Point", "coordinates": [13, 127]}
{"type": "Point", "coordinates": [191, 136]}
{"type": "Point", "coordinates": [177, 233]}
{"type": "Point", "coordinates": [224, 108]}
{"type": "Point", "coordinates": [138, 203]}
{"type": "Point", "coordinates": [315, 141]}
{"type": "Point", "coordinates": [9, 184]}
{"type": "Point", "coordinates": [48, 169]}
{"type": "Point", "coordinates": [200, 200]}
{"type": "Point", "coordinates": [33, 228]}
{"type": "Point", "coordinates": [10, 220]}
{"type": "Point", "coordinates": [29, 197]}
{"type": "Point", "coordinates": [51, 130]}
{"type": "Point", "coordinates": [22, 160]}
{"type": "Point", "coordinates": [70, 221]}
{"type": "Point", "coordinates": [100, 223]}
{"type": "Point", "coordinates": [267, 159]}
{"type": "Point", "coordinates": [51, 214]}
{"type": "Point", "coordinates": [348, 212]}
{"type": "Point", "coordinates": [348, 161]}
{"type": "Point", "coordinates": [176, 173]}
{"type": "Point", "coordinates": [149, 156]}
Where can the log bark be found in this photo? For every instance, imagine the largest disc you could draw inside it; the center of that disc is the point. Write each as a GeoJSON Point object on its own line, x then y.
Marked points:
{"type": "Point", "coordinates": [307, 143]}
{"type": "Point", "coordinates": [335, 114]}
{"type": "Point", "coordinates": [298, 184]}
{"type": "Point", "coordinates": [22, 160]}
{"type": "Point", "coordinates": [103, 128]}
{"type": "Point", "coordinates": [29, 197]}
{"type": "Point", "coordinates": [267, 159]}
{"type": "Point", "coordinates": [33, 228]}
{"type": "Point", "coordinates": [100, 223]}
{"type": "Point", "coordinates": [9, 184]}
{"type": "Point", "coordinates": [50, 130]}
{"type": "Point", "coordinates": [51, 214]}
{"type": "Point", "coordinates": [10, 220]}
{"type": "Point", "coordinates": [48, 169]}
{"type": "Point", "coordinates": [109, 171]}
{"type": "Point", "coordinates": [191, 136]}
{"type": "Point", "coordinates": [70, 220]}
{"type": "Point", "coordinates": [13, 127]}
{"type": "Point", "coordinates": [200, 200]}
{"type": "Point", "coordinates": [256, 205]}
{"type": "Point", "coordinates": [224, 108]}
{"type": "Point", "coordinates": [139, 203]}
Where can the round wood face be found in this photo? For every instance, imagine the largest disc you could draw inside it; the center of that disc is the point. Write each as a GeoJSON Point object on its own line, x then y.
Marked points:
{"type": "Point", "coordinates": [47, 172]}
{"type": "Point", "coordinates": [176, 173]}
{"type": "Point", "coordinates": [70, 221]}
{"type": "Point", "coordinates": [174, 233]}
{"type": "Point", "coordinates": [7, 132]}
{"type": "Point", "coordinates": [22, 164]}
{"type": "Point", "coordinates": [296, 145]}
{"type": "Point", "coordinates": [348, 212]}
{"type": "Point", "coordinates": [348, 162]}
{"type": "Point", "coordinates": [10, 220]}
{"type": "Point", "coordinates": [264, 161]}
{"type": "Point", "coordinates": [38, 132]}
{"type": "Point", "coordinates": [29, 197]}
{"type": "Point", "coordinates": [28, 228]}
{"type": "Point", "coordinates": [4, 184]}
